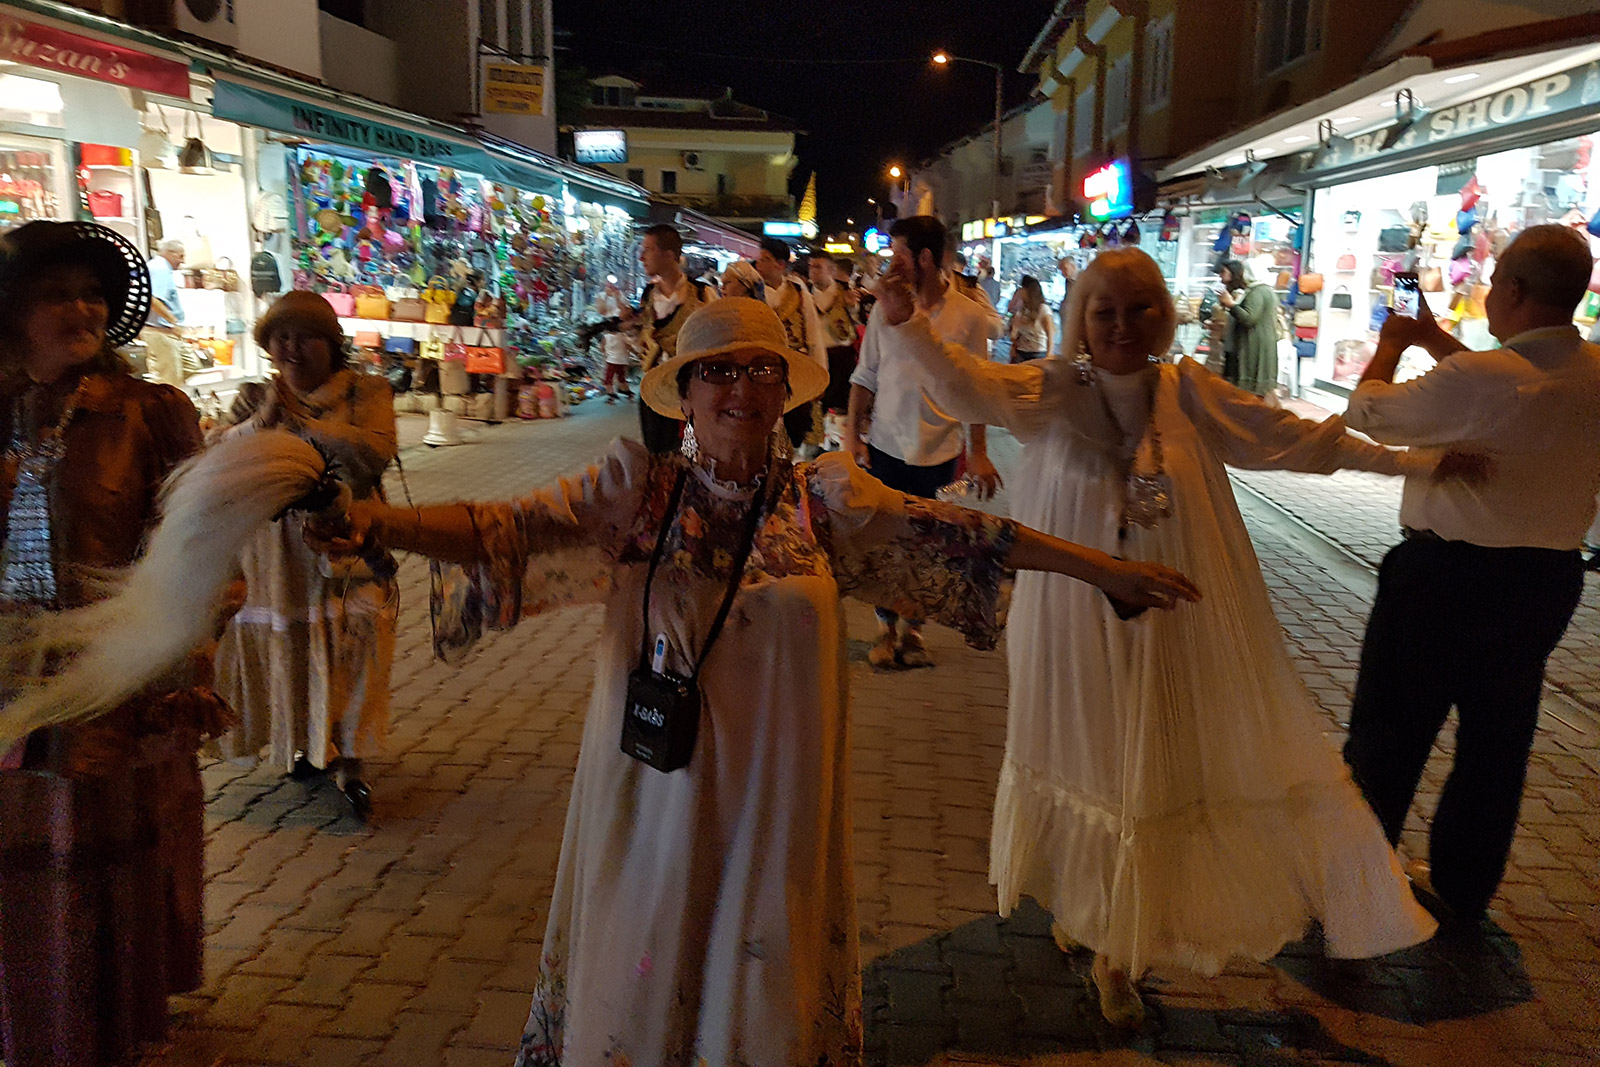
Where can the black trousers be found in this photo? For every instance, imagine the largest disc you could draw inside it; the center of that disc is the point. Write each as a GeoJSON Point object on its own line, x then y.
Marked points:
{"type": "Point", "coordinates": [1455, 624]}
{"type": "Point", "coordinates": [659, 433]}
{"type": "Point", "coordinates": [841, 364]}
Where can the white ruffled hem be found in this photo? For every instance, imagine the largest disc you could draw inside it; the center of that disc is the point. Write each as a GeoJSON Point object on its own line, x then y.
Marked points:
{"type": "Point", "coordinates": [1203, 884]}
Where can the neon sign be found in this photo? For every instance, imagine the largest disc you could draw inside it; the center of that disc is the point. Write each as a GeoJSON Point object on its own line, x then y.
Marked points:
{"type": "Point", "coordinates": [1109, 192]}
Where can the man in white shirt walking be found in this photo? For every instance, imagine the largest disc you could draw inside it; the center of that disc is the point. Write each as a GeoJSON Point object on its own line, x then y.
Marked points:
{"type": "Point", "coordinates": [914, 445]}
{"type": "Point", "coordinates": [1472, 602]}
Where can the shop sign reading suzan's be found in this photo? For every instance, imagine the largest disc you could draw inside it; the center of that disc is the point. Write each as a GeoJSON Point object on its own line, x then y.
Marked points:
{"type": "Point", "coordinates": [48, 48]}
{"type": "Point", "coordinates": [1554, 94]}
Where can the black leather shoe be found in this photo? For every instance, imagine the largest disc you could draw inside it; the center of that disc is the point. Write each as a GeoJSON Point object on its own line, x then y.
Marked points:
{"type": "Point", "coordinates": [359, 794]}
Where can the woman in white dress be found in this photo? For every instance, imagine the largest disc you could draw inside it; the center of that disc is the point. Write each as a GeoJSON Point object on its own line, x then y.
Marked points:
{"type": "Point", "coordinates": [707, 915]}
{"type": "Point", "coordinates": [1167, 792]}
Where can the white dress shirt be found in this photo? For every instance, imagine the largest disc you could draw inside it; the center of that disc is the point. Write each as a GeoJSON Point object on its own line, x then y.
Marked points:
{"type": "Point", "coordinates": [906, 423]}
{"type": "Point", "coordinates": [1533, 407]}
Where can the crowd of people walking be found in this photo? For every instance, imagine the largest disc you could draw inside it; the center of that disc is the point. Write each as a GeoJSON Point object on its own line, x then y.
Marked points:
{"type": "Point", "coordinates": [1166, 791]}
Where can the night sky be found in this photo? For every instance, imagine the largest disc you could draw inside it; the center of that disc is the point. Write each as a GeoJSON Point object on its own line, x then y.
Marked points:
{"type": "Point", "coordinates": [878, 100]}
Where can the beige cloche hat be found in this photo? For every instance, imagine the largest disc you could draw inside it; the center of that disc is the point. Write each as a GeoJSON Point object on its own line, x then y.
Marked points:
{"type": "Point", "coordinates": [732, 324]}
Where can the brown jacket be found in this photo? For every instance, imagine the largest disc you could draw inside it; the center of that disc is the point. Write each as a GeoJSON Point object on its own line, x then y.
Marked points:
{"type": "Point", "coordinates": [126, 437]}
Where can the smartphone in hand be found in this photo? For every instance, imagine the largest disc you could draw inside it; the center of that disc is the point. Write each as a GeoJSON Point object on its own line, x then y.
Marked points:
{"type": "Point", "coordinates": [1407, 294]}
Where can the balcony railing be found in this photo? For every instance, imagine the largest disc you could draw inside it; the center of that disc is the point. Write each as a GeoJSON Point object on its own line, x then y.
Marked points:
{"type": "Point", "coordinates": [732, 206]}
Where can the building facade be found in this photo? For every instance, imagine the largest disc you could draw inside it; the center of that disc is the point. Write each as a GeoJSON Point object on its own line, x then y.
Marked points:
{"type": "Point", "coordinates": [699, 150]}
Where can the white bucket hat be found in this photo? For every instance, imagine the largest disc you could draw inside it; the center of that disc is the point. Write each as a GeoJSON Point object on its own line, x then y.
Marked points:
{"type": "Point", "coordinates": [732, 324]}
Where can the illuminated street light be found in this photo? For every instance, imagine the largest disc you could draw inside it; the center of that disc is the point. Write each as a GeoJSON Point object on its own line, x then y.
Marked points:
{"type": "Point", "coordinates": [895, 171]}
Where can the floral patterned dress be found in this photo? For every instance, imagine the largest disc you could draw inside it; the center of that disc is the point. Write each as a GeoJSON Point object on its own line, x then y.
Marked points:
{"type": "Point", "coordinates": [707, 916]}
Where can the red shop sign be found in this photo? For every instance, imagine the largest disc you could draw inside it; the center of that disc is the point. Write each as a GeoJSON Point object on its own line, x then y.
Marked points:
{"type": "Point", "coordinates": [69, 53]}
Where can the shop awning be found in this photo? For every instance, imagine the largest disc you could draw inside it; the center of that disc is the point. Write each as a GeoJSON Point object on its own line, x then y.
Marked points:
{"type": "Point", "coordinates": [707, 230]}
{"type": "Point", "coordinates": [305, 111]}
{"type": "Point", "coordinates": [1362, 111]}
{"type": "Point", "coordinates": [586, 185]}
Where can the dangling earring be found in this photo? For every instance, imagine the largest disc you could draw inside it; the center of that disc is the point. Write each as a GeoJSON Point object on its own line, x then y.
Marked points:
{"type": "Point", "coordinates": [690, 445]}
{"type": "Point", "coordinates": [779, 448]}
{"type": "Point", "coordinates": [1085, 366]}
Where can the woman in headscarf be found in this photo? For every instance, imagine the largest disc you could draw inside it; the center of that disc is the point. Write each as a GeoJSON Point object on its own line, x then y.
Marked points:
{"type": "Point", "coordinates": [1166, 792]}
{"type": "Point", "coordinates": [101, 843]}
{"type": "Point", "coordinates": [306, 661]}
{"type": "Point", "coordinates": [707, 914]}
{"type": "Point", "coordinates": [1251, 336]}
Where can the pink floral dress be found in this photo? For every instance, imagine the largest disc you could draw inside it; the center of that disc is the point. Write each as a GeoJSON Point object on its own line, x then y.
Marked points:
{"type": "Point", "coordinates": [707, 916]}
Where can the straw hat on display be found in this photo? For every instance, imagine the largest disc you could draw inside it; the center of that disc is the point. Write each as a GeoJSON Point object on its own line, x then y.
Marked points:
{"type": "Point", "coordinates": [732, 324]}
{"type": "Point", "coordinates": [124, 279]}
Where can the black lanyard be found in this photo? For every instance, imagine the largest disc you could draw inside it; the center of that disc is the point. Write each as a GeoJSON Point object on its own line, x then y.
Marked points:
{"type": "Point", "coordinates": [752, 522]}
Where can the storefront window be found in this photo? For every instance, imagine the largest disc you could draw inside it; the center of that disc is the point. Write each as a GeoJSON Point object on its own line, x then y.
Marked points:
{"type": "Point", "coordinates": [1445, 223]}
{"type": "Point", "coordinates": [32, 181]}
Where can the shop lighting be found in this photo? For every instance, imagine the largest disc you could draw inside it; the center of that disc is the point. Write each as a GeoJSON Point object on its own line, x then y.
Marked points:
{"type": "Point", "coordinates": [1457, 79]}
{"type": "Point", "coordinates": [1347, 118]}
{"type": "Point", "coordinates": [1298, 138]}
{"type": "Point", "coordinates": [1407, 113]}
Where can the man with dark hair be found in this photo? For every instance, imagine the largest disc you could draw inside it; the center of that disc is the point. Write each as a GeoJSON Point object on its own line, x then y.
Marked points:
{"type": "Point", "coordinates": [914, 445]}
{"type": "Point", "coordinates": [789, 297]}
{"type": "Point", "coordinates": [1472, 602]}
{"type": "Point", "coordinates": [666, 303]}
{"type": "Point", "coordinates": [967, 285]}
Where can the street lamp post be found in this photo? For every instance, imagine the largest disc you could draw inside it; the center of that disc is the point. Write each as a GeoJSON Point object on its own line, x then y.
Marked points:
{"type": "Point", "coordinates": [945, 59]}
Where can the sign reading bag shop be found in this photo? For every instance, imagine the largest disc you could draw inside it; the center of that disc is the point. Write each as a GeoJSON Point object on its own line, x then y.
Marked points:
{"type": "Point", "coordinates": [1553, 94]}
{"type": "Point", "coordinates": [56, 50]}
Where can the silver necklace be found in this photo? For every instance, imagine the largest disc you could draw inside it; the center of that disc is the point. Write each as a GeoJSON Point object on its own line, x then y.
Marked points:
{"type": "Point", "coordinates": [1147, 495]}
{"type": "Point", "coordinates": [28, 560]}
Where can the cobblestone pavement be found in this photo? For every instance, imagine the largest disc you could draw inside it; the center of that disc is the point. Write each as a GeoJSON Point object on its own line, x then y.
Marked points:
{"type": "Point", "coordinates": [414, 941]}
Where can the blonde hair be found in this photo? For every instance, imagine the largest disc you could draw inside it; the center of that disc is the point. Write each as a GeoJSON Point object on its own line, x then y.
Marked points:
{"type": "Point", "coordinates": [1114, 267]}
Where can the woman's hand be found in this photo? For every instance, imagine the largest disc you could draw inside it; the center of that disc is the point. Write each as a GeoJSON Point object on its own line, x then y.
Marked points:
{"type": "Point", "coordinates": [346, 535]}
{"type": "Point", "coordinates": [1147, 585]}
{"type": "Point", "coordinates": [1225, 298]}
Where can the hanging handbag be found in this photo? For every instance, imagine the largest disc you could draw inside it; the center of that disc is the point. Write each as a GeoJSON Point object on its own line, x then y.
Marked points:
{"type": "Point", "coordinates": [105, 204]}
{"type": "Point", "coordinates": [483, 358]}
{"type": "Point", "coordinates": [409, 309]}
{"type": "Point", "coordinates": [1340, 300]}
{"type": "Point", "coordinates": [431, 348]}
{"type": "Point", "coordinates": [1346, 263]}
{"type": "Point", "coordinates": [342, 302]}
{"type": "Point", "coordinates": [265, 278]}
{"type": "Point", "coordinates": [440, 297]}
{"type": "Point", "coordinates": [1379, 315]}
{"type": "Point", "coordinates": [489, 311]}
{"type": "Point", "coordinates": [455, 349]}
{"type": "Point", "coordinates": [1460, 271]}
{"type": "Point", "coordinates": [1304, 302]}
{"type": "Point", "coordinates": [1307, 318]}
{"type": "Point", "coordinates": [1430, 280]}
{"type": "Point", "coordinates": [368, 339]}
{"type": "Point", "coordinates": [1311, 283]}
{"type": "Point", "coordinates": [194, 155]}
{"type": "Point", "coordinates": [1305, 333]}
{"type": "Point", "coordinates": [1394, 238]}
{"type": "Point", "coordinates": [370, 302]}
{"type": "Point", "coordinates": [400, 346]}
{"type": "Point", "coordinates": [461, 312]}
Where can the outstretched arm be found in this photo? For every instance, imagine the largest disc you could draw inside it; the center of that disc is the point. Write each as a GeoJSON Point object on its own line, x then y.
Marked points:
{"type": "Point", "coordinates": [965, 387]}
{"type": "Point", "coordinates": [1149, 585]}
{"type": "Point", "coordinates": [1247, 432]}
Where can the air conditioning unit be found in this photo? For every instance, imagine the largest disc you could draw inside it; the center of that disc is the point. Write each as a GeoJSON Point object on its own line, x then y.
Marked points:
{"type": "Point", "coordinates": [208, 20]}
{"type": "Point", "coordinates": [691, 161]}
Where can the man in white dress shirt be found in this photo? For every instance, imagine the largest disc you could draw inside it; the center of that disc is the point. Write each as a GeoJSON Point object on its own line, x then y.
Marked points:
{"type": "Point", "coordinates": [1472, 602]}
{"type": "Point", "coordinates": [913, 444]}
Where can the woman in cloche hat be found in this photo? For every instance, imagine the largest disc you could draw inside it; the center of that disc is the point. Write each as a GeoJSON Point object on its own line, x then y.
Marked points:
{"type": "Point", "coordinates": [100, 822]}
{"type": "Point", "coordinates": [306, 662]}
{"type": "Point", "coordinates": [704, 904]}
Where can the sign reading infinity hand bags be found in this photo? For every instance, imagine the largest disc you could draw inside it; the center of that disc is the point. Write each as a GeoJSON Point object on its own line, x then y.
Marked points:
{"type": "Point", "coordinates": [661, 718]}
{"type": "Point", "coordinates": [483, 358]}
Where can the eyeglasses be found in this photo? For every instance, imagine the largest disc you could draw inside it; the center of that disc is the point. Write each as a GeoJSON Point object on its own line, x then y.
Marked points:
{"type": "Point", "coordinates": [725, 372]}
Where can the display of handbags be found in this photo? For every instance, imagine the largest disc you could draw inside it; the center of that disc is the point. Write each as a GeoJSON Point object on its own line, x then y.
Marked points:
{"type": "Point", "coordinates": [1394, 239]}
{"type": "Point", "coordinates": [342, 302]}
{"type": "Point", "coordinates": [370, 302]}
{"type": "Point", "coordinates": [1340, 299]}
{"type": "Point", "coordinates": [1346, 263]}
{"type": "Point", "coordinates": [1310, 283]}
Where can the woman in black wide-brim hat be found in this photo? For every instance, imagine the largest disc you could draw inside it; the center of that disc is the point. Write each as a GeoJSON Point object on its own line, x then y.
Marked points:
{"type": "Point", "coordinates": [101, 843]}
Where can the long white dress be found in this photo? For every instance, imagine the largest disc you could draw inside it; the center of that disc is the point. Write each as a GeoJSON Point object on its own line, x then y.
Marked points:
{"type": "Point", "coordinates": [707, 916]}
{"type": "Point", "coordinates": [1167, 792]}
